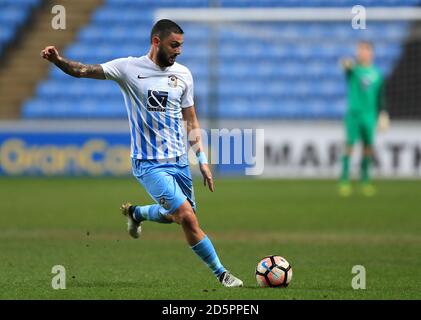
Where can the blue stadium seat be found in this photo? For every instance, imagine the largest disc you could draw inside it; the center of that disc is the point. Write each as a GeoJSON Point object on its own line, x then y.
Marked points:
{"type": "Point", "coordinates": [76, 108]}
{"type": "Point", "coordinates": [13, 14]}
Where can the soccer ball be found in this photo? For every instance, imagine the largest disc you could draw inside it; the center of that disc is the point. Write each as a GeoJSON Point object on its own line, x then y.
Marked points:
{"type": "Point", "coordinates": [273, 271]}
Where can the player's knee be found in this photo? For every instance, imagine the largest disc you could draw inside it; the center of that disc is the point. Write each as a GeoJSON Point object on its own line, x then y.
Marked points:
{"type": "Point", "coordinates": [188, 218]}
{"type": "Point", "coordinates": [185, 215]}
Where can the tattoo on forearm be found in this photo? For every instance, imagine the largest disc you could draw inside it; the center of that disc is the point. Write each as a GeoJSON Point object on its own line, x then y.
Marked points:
{"type": "Point", "coordinates": [80, 70]}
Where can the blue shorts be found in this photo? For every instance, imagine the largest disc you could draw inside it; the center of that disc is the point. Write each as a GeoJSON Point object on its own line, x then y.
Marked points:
{"type": "Point", "coordinates": [167, 181]}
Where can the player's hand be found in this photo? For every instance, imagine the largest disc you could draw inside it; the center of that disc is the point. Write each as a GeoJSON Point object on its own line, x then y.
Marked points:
{"type": "Point", "coordinates": [384, 121]}
{"type": "Point", "coordinates": [51, 54]}
{"type": "Point", "coordinates": [347, 63]}
{"type": "Point", "coordinates": [207, 176]}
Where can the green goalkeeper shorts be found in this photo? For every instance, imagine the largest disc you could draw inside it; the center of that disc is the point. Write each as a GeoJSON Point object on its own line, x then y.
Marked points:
{"type": "Point", "coordinates": [360, 128]}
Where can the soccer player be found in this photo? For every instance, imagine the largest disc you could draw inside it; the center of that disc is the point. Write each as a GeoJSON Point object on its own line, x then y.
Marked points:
{"type": "Point", "coordinates": [158, 93]}
{"type": "Point", "coordinates": [366, 104]}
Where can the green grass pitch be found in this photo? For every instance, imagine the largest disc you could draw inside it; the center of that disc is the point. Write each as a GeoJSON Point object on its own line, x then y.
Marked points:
{"type": "Point", "coordinates": [75, 222]}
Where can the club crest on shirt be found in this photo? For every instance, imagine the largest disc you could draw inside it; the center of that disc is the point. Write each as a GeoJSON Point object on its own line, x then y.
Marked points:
{"type": "Point", "coordinates": [172, 81]}
{"type": "Point", "coordinates": [164, 203]}
{"type": "Point", "coordinates": [368, 80]}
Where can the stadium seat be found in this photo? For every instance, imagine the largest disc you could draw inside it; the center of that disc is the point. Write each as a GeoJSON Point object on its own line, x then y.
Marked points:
{"type": "Point", "coordinates": [13, 15]}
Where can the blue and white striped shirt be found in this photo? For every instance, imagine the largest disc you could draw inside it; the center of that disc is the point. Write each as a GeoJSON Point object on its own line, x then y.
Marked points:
{"type": "Point", "coordinates": [154, 99]}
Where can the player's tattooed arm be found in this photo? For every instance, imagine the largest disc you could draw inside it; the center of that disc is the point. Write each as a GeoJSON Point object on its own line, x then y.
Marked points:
{"type": "Point", "coordinates": [80, 70]}
{"type": "Point", "coordinates": [73, 68]}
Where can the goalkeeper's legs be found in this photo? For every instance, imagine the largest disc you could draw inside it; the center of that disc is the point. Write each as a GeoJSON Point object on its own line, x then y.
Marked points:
{"type": "Point", "coordinates": [367, 188]}
{"type": "Point", "coordinates": [345, 188]}
{"type": "Point", "coordinates": [352, 132]}
{"type": "Point", "coordinates": [346, 157]}
{"type": "Point", "coordinates": [367, 134]}
{"type": "Point", "coordinates": [365, 164]}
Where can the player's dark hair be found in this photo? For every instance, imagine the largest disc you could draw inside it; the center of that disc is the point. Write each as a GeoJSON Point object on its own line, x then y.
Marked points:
{"type": "Point", "coordinates": [163, 28]}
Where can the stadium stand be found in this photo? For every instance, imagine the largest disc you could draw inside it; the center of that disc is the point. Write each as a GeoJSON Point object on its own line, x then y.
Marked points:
{"type": "Point", "coordinates": [13, 14]}
{"type": "Point", "coordinates": [294, 79]}
{"type": "Point", "coordinates": [17, 80]}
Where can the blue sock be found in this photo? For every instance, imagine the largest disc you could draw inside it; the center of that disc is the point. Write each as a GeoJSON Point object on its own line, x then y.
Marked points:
{"type": "Point", "coordinates": [205, 250]}
{"type": "Point", "coordinates": [151, 213]}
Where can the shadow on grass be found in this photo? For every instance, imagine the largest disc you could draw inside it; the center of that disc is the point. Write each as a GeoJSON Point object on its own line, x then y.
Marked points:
{"type": "Point", "coordinates": [253, 287]}
{"type": "Point", "coordinates": [105, 284]}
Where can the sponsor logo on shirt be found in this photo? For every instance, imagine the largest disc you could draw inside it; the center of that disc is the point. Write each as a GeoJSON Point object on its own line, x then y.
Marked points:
{"type": "Point", "coordinates": [157, 100]}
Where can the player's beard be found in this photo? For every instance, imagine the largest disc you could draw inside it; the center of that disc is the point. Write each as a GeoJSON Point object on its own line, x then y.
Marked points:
{"type": "Point", "coordinates": [164, 59]}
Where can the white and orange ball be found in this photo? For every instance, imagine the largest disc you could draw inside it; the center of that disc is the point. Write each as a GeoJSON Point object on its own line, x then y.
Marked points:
{"type": "Point", "coordinates": [273, 271]}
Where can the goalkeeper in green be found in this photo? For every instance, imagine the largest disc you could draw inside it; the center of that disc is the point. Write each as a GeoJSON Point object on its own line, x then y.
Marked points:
{"type": "Point", "coordinates": [366, 104]}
